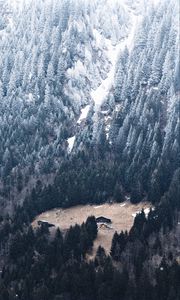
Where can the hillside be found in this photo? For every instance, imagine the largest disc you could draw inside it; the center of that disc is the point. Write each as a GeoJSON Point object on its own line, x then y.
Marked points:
{"type": "Point", "coordinates": [92, 85]}
{"type": "Point", "coordinates": [89, 125]}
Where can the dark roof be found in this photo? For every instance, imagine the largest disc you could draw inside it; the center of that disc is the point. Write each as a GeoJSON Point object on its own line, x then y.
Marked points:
{"type": "Point", "coordinates": [103, 220]}
{"type": "Point", "coordinates": [45, 223]}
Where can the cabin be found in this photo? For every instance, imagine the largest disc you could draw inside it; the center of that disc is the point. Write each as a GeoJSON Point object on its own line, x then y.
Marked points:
{"type": "Point", "coordinates": [103, 220]}
{"type": "Point", "coordinates": [104, 226]}
{"type": "Point", "coordinates": [45, 223]}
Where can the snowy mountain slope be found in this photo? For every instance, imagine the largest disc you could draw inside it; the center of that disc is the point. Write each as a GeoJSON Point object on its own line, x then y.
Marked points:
{"type": "Point", "coordinates": [101, 93]}
{"type": "Point", "coordinates": [75, 74]}
{"type": "Point", "coordinates": [89, 113]}
{"type": "Point", "coordinates": [132, 111]}
{"type": "Point", "coordinates": [54, 61]}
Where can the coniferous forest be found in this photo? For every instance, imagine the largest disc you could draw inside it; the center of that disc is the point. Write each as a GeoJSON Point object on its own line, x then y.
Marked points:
{"type": "Point", "coordinates": [89, 114]}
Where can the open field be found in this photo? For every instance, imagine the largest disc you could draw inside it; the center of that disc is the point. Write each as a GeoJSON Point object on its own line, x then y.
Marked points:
{"type": "Point", "coordinates": [121, 214]}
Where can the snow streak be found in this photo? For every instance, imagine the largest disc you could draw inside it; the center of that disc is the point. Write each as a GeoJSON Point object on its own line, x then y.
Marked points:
{"type": "Point", "coordinates": [113, 52]}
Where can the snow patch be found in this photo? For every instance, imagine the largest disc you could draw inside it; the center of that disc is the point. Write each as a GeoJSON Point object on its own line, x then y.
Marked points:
{"type": "Point", "coordinates": [134, 215]}
{"type": "Point", "coordinates": [107, 128]}
{"type": "Point", "coordinates": [146, 211]}
{"type": "Point", "coordinates": [30, 97]}
{"type": "Point", "coordinates": [84, 113]}
{"type": "Point", "coordinates": [118, 107]}
{"type": "Point", "coordinates": [15, 3]}
{"type": "Point", "coordinates": [88, 55]}
{"type": "Point", "coordinates": [99, 206]}
{"type": "Point", "coordinates": [71, 141]}
{"type": "Point", "coordinates": [155, 2]}
{"type": "Point", "coordinates": [77, 70]}
{"type": "Point", "coordinates": [101, 93]}
{"type": "Point", "coordinates": [98, 37]}
{"type": "Point", "coordinates": [104, 112]}
{"type": "Point", "coordinates": [10, 22]}
{"type": "Point", "coordinates": [122, 205]}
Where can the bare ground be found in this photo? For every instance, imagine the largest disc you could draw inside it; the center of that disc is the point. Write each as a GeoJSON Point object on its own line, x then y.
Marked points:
{"type": "Point", "coordinates": [121, 214]}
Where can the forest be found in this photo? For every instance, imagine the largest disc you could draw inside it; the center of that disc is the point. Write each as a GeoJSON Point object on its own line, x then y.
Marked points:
{"type": "Point", "coordinates": [143, 264]}
{"type": "Point", "coordinates": [55, 55]}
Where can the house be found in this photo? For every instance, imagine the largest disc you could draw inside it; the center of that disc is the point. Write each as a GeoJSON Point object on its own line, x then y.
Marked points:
{"type": "Point", "coordinates": [45, 223]}
{"type": "Point", "coordinates": [103, 220]}
{"type": "Point", "coordinates": [104, 226]}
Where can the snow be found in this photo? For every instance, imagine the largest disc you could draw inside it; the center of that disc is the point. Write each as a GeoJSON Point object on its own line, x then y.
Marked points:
{"type": "Point", "coordinates": [77, 70]}
{"type": "Point", "coordinates": [118, 107]}
{"type": "Point", "coordinates": [100, 94]}
{"type": "Point", "coordinates": [15, 3]}
{"type": "Point", "coordinates": [99, 38]}
{"type": "Point", "coordinates": [71, 141]}
{"type": "Point", "coordinates": [88, 54]}
{"type": "Point", "coordinates": [102, 91]}
{"type": "Point", "coordinates": [99, 206]}
{"type": "Point", "coordinates": [64, 51]}
{"type": "Point", "coordinates": [155, 2]}
{"type": "Point", "coordinates": [30, 97]}
{"type": "Point", "coordinates": [84, 113]}
{"type": "Point", "coordinates": [134, 215]}
{"type": "Point", "coordinates": [11, 22]}
{"type": "Point", "coordinates": [80, 26]}
{"type": "Point", "coordinates": [146, 211]}
{"type": "Point", "coordinates": [104, 112]}
{"type": "Point", "coordinates": [107, 128]}
{"type": "Point", "coordinates": [113, 51]}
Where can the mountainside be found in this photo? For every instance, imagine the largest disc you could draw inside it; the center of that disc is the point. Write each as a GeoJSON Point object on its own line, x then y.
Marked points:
{"type": "Point", "coordinates": [44, 84]}
{"type": "Point", "coordinates": [97, 77]}
{"type": "Point", "coordinates": [89, 124]}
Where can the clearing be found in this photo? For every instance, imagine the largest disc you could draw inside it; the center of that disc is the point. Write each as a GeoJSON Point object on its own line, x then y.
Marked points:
{"type": "Point", "coordinates": [121, 214]}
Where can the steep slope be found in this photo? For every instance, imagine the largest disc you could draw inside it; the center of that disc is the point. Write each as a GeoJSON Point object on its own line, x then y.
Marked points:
{"type": "Point", "coordinates": [51, 60]}
{"type": "Point", "coordinates": [92, 76]}
{"type": "Point", "coordinates": [137, 117]}
{"type": "Point", "coordinates": [149, 100]}
{"type": "Point", "coordinates": [89, 113]}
